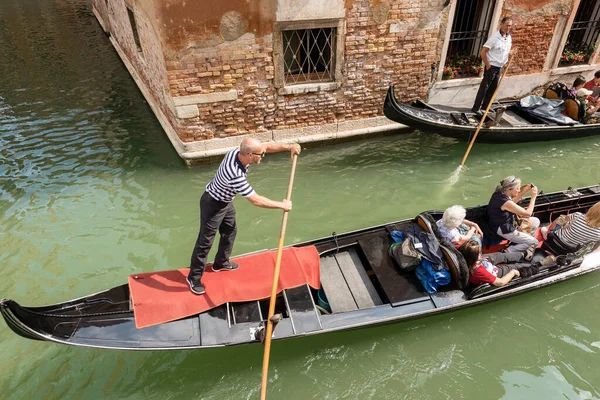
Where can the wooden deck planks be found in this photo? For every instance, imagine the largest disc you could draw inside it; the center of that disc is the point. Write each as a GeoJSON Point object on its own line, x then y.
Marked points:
{"type": "Point", "coordinates": [364, 293]}
{"type": "Point", "coordinates": [338, 294]}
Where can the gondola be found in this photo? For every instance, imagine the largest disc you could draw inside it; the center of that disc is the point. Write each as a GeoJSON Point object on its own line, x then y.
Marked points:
{"type": "Point", "coordinates": [515, 125]}
{"type": "Point", "coordinates": [360, 283]}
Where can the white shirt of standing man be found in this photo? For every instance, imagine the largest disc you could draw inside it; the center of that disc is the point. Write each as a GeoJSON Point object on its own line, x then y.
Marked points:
{"type": "Point", "coordinates": [496, 49]}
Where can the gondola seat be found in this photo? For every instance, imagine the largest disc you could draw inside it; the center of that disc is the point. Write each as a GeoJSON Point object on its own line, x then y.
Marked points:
{"type": "Point", "coordinates": [454, 259]}
{"type": "Point", "coordinates": [551, 94]}
{"type": "Point", "coordinates": [574, 109]}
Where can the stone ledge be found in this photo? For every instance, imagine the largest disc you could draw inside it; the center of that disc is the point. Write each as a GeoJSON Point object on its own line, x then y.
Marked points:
{"type": "Point", "coordinates": [457, 82]}
{"type": "Point", "coordinates": [292, 133]}
{"type": "Point", "coordinates": [184, 112]}
{"type": "Point", "coordinates": [209, 149]}
{"type": "Point", "coordinates": [572, 69]}
{"type": "Point", "coordinates": [215, 97]}
{"type": "Point", "coordinates": [309, 87]}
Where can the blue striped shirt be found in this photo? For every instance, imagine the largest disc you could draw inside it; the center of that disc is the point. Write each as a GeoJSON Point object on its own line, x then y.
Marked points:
{"type": "Point", "coordinates": [230, 179]}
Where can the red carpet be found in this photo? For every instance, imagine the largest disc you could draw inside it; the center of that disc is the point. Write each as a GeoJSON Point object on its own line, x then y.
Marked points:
{"type": "Point", "coordinates": [165, 296]}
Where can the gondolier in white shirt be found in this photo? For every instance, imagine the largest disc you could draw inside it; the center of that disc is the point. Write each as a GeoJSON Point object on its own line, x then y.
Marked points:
{"type": "Point", "coordinates": [217, 212]}
{"type": "Point", "coordinates": [494, 54]}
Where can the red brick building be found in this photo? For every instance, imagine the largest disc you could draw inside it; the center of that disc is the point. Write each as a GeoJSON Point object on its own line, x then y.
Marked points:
{"type": "Point", "coordinates": [313, 70]}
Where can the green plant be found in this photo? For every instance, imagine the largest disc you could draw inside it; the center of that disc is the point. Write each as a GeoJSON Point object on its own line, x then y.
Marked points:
{"type": "Point", "coordinates": [576, 53]}
{"type": "Point", "coordinates": [462, 66]}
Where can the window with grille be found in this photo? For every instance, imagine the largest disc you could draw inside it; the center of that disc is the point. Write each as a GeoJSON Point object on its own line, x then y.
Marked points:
{"type": "Point", "coordinates": [308, 55]}
{"type": "Point", "coordinates": [583, 35]}
{"type": "Point", "coordinates": [470, 28]}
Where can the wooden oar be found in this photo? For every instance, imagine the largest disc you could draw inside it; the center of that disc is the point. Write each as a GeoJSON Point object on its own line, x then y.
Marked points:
{"type": "Point", "coordinates": [484, 115]}
{"type": "Point", "coordinates": [269, 329]}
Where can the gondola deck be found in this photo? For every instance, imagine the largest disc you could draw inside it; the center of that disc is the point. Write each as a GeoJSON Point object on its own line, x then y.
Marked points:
{"type": "Point", "coordinates": [363, 285]}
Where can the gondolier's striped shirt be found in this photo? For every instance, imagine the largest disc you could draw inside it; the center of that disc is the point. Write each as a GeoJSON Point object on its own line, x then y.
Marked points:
{"type": "Point", "coordinates": [230, 179]}
{"type": "Point", "coordinates": [576, 231]}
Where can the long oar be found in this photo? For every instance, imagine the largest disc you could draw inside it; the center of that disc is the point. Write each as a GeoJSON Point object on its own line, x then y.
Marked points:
{"type": "Point", "coordinates": [484, 115]}
{"type": "Point", "coordinates": [269, 330]}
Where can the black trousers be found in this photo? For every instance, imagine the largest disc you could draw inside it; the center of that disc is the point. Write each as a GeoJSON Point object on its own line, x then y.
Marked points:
{"type": "Point", "coordinates": [503, 258]}
{"type": "Point", "coordinates": [487, 88]}
{"type": "Point", "coordinates": [214, 216]}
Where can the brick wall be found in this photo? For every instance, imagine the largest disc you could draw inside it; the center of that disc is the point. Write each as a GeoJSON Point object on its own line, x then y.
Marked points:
{"type": "Point", "coordinates": [149, 64]}
{"type": "Point", "coordinates": [531, 37]}
{"type": "Point", "coordinates": [385, 42]}
{"type": "Point", "coordinates": [534, 26]}
{"type": "Point", "coordinates": [374, 58]}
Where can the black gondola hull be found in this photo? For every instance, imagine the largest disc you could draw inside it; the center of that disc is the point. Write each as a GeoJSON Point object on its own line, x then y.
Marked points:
{"type": "Point", "coordinates": [106, 320]}
{"type": "Point", "coordinates": [442, 123]}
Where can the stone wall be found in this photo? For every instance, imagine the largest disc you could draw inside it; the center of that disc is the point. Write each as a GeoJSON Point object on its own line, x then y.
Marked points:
{"type": "Point", "coordinates": [385, 42]}
{"type": "Point", "coordinates": [535, 23]}
{"type": "Point", "coordinates": [211, 74]}
{"type": "Point", "coordinates": [400, 50]}
{"type": "Point", "coordinates": [147, 66]}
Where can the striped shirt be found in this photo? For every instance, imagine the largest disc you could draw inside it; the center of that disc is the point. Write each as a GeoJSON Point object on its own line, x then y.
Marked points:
{"type": "Point", "coordinates": [230, 179]}
{"type": "Point", "coordinates": [576, 231]}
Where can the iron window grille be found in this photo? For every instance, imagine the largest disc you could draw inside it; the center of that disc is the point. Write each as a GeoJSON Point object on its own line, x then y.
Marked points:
{"type": "Point", "coordinates": [308, 55]}
{"type": "Point", "coordinates": [470, 29]}
{"type": "Point", "coordinates": [583, 35]}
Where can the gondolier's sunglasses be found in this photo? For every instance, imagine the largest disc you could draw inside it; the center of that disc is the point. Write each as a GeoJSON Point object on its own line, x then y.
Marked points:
{"type": "Point", "coordinates": [260, 154]}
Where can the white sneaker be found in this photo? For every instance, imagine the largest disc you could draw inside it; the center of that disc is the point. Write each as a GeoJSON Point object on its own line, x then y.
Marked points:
{"type": "Point", "coordinates": [544, 232]}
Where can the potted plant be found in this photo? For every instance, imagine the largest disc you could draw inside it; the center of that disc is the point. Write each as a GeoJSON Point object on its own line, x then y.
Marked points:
{"type": "Point", "coordinates": [462, 66]}
{"type": "Point", "coordinates": [575, 54]}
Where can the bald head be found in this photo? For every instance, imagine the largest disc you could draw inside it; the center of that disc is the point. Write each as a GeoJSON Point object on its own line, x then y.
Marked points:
{"type": "Point", "coordinates": [250, 145]}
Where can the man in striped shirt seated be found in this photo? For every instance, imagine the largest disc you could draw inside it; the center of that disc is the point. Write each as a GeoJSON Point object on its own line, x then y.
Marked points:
{"type": "Point", "coordinates": [217, 212]}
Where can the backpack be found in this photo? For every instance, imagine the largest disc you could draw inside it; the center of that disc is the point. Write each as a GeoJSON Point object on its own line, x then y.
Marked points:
{"type": "Point", "coordinates": [405, 254]}
{"type": "Point", "coordinates": [560, 89]}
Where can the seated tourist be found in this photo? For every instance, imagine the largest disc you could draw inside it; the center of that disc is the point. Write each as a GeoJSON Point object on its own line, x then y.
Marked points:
{"type": "Point", "coordinates": [590, 85]}
{"type": "Point", "coordinates": [591, 104]}
{"type": "Point", "coordinates": [484, 268]}
{"type": "Point", "coordinates": [503, 210]}
{"type": "Point", "coordinates": [576, 229]}
{"type": "Point", "coordinates": [577, 84]}
{"type": "Point", "coordinates": [456, 229]}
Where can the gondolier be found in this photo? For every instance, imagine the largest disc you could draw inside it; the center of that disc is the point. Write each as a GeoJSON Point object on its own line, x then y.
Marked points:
{"type": "Point", "coordinates": [494, 54]}
{"type": "Point", "coordinates": [217, 212]}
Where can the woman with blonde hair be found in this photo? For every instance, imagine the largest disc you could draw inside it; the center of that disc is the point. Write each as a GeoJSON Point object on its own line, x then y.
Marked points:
{"type": "Point", "coordinates": [503, 211]}
{"type": "Point", "coordinates": [577, 229]}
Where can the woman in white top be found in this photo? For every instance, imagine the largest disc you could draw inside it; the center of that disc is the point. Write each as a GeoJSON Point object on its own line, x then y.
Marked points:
{"type": "Point", "coordinates": [456, 229]}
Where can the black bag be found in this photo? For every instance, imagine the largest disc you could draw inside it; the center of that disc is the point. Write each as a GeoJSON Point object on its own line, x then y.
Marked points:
{"type": "Point", "coordinates": [556, 246]}
{"type": "Point", "coordinates": [405, 254]}
{"type": "Point", "coordinates": [561, 90]}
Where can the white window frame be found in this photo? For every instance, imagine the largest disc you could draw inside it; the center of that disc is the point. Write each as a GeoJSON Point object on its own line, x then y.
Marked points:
{"type": "Point", "coordinates": [563, 42]}
{"type": "Point", "coordinates": [496, 16]}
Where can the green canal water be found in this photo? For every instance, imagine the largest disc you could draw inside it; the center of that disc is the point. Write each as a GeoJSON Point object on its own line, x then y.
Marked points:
{"type": "Point", "coordinates": [91, 191]}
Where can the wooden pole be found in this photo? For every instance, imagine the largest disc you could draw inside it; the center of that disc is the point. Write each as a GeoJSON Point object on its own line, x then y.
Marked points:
{"type": "Point", "coordinates": [485, 114]}
{"type": "Point", "coordinates": [269, 329]}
